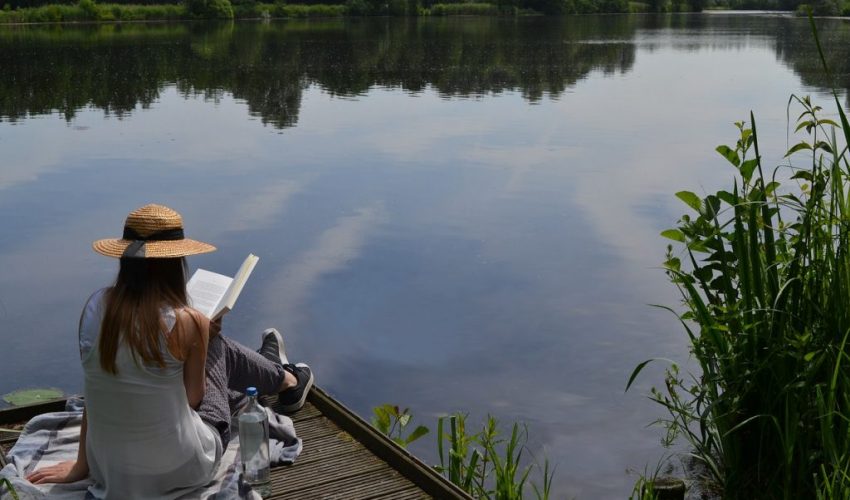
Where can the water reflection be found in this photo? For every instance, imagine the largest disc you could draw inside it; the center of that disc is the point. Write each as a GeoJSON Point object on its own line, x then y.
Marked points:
{"type": "Point", "coordinates": [117, 68]}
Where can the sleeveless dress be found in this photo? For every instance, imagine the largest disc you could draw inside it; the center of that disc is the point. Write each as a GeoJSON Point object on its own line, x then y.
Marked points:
{"type": "Point", "coordinates": [144, 441]}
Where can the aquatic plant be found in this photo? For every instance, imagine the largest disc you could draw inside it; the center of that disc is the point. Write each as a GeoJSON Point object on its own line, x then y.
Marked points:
{"type": "Point", "coordinates": [765, 281]}
{"type": "Point", "coordinates": [392, 421]}
{"type": "Point", "coordinates": [483, 464]}
{"type": "Point", "coordinates": [486, 465]}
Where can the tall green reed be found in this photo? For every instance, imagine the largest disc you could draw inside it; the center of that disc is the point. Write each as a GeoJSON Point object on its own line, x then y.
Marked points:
{"type": "Point", "coordinates": [488, 465]}
{"type": "Point", "coordinates": [766, 287]}
{"type": "Point", "coordinates": [484, 464]}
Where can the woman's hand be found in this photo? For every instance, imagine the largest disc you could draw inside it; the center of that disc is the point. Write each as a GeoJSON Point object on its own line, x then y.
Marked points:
{"type": "Point", "coordinates": [63, 472]}
{"type": "Point", "coordinates": [215, 327]}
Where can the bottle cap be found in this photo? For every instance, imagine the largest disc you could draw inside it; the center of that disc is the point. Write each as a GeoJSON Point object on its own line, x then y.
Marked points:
{"type": "Point", "coordinates": [251, 391]}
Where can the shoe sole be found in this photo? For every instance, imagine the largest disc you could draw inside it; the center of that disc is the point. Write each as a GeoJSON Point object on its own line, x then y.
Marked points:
{"type": "Point", "coordinates": [291, 408]}
{"type": "Point", "coordinates": [281, 349]}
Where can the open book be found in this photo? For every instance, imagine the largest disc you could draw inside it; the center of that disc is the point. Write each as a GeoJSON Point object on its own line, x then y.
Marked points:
{"type": "Point", "coordinates": [214, 294]}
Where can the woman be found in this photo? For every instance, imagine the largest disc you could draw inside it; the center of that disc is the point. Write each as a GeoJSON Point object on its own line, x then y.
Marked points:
{"type": "Point", "coordinates": [160, 379]}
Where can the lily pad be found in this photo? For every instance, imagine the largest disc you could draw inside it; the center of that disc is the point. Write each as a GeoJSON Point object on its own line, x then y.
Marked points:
{"type": "Point", "coordinates": [32, 396]}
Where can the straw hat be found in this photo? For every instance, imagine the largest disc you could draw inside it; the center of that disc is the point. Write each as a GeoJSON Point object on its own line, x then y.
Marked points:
{"type": "Point", "coordinates": [153, 231]}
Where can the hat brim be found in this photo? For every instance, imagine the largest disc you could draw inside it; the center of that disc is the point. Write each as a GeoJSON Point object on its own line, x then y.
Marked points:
{"type": "Point", "coordinates": [161, 249]}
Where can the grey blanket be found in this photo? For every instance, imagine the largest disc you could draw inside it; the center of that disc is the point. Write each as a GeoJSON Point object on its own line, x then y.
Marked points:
{"type": "Point", "coordinates": [54, 437]}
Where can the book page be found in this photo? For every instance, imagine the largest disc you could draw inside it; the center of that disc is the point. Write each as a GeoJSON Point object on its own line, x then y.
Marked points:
{"type": "Point", "coordinates": [238, 282]}
{"type": "Point", "coordinates": [206, 290]}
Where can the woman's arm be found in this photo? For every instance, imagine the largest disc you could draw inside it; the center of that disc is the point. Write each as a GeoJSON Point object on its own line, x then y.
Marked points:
{"type": "Point", "coordinates": [66, 472]}
{"type": "Point", "coordinates": [195, 329]}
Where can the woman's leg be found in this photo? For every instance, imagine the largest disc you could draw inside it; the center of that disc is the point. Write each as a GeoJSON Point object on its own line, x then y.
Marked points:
{"type": "Point", "coordinates": [247, 368]}
{"type": "Point", "coordinates": [230, 369]}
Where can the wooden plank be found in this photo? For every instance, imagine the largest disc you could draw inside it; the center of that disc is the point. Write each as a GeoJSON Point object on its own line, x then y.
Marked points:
{"type": "Point", "coordinates": [383, 481]}
{"type": "Point", "coordinates": [296, 478]}
{"type": "Point", "coordinates": [309, 411]}
{"type": "Point", "coordinates": [383, 447]}
{"type": "Point", "coordinates": [6, 435]}
{"type": "Point", "coordinates": [316, 428]}
{"type": "Point", "coordinates": [326, 447]}
{"type": "Point", "coordinates": [412, 493]}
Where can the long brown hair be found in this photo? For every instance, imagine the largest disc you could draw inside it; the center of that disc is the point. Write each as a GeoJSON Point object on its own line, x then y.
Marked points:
{"type": "Point", "coordinates": [133, 307]}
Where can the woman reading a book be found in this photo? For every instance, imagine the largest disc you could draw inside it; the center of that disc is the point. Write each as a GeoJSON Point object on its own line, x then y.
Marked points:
{"type": "Point", "coordinates": [160, 378]}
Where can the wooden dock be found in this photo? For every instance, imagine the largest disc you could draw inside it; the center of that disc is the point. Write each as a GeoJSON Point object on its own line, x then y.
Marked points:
{"type": "Point", "coordinates": [344, 457]}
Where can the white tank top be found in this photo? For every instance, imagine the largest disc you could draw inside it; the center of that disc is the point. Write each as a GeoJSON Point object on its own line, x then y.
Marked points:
{"type": "Point", "coordinates": [144, 441]}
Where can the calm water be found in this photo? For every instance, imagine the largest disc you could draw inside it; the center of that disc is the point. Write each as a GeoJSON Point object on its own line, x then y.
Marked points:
{"type": "Point", "coordinates": [451, 214]}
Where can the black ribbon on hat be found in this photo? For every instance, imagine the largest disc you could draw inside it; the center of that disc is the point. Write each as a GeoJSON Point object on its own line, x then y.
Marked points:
{"type": "Point", "coordinates": [137, 247]}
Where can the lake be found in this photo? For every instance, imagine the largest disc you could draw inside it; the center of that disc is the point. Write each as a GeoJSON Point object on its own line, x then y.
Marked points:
{"type": "Point", "coordinates": [456, 214]}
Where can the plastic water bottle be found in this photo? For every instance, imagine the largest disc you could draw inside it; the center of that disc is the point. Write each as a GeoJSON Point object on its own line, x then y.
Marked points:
{"type": "Point", "coordinates": [254, 441]}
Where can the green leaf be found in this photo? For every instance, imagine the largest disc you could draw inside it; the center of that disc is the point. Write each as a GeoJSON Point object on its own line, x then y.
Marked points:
{"type": "Point", "coordinates": [32, 396]}
{"type": "Point", "coordinates": [824, 146]}
{"type": "Point", "coordinates": [381, 420]}
{"type": "Point", "coordinates": [770, 188]}
{"type": "Point", "coordinates": [803, 174]}
{"type": "Point", "coordinates": [730, 154]}
{"type": "Point", "coordinates": [747, 169]}
{"type": "Point", "coordinates": [674, 264]}
{"type": "Point", "coordinates": [703, 273]}
{"type": "Point", "coordinates": [403, 419]}
{"type": "Point", "coordinates": [798, 147]}
{"type": "Point", "coordinates": [807, 124]}
{"type": "Point", "coordinates": [726, 196]}
{"type": "Point", "coordinates": [691, 199]}
{"type": "Point", "coordinates": [673, 234]}
{"type": "Point", "coordinates": [699, 246]}
{"type": "Point", "coordinates": [637, 371]}
{"type": "Point", "coordinates": [417, 433]}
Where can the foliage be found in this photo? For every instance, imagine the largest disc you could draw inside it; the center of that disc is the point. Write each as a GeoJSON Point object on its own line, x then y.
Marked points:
{"type": "Point", "coordinates": [249, 10]}
{"type": "Point", "coordinates": [210, 9]}
{"type": "Point", "coordinates": [391, 421]}
{"type": "Point", "coordinates": [457, 9]}
{"type": "Point", "coordinates": [766, 282]}
{"type": "Point", "coordinates": [485, 464]}
{"type": "Point", "coordinates": [5, 483]}
{"type": "Point", "coordinates": [31, 396]}
{"type": "Point", "coordinates": [20, 11]}
{"type": "Point", "coordinates": [89, 9]}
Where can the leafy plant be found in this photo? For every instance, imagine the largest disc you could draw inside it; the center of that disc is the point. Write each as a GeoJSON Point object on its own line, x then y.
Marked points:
{"type": "Point", "coordinates": [484, 464]}
{"type": "Point", "coordinates": [456, 463]}
{"type": "Point", "coordinates": [89, 9]}
{"type": "Point", "coordinates": [765, 281]}
{"type": "Point", "coordinates": [392, 421]}
{"type": "Point", "coordinates": [210, 9]}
